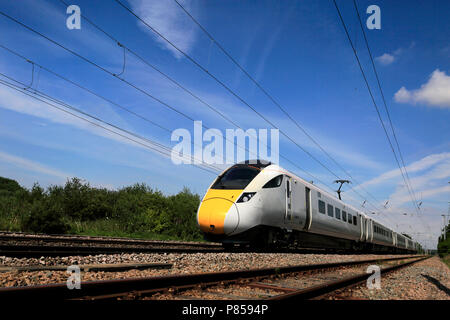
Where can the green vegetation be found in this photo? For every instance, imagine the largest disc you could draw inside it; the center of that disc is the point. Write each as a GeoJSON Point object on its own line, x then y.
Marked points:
{"type": "Point", "coordinates": [136, 211]}
{"type": "Point", "coordinates": [446, 260]}
{"type": "Point", "coordinates": [444, 245]}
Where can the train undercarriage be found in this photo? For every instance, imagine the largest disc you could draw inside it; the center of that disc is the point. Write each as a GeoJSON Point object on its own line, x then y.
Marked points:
{"type": "Point", "coordinates": [266, 237]}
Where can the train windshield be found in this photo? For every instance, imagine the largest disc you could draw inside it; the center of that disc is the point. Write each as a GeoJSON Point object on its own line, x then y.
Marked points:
{"type": "Point", "coordinates": [237, 177]}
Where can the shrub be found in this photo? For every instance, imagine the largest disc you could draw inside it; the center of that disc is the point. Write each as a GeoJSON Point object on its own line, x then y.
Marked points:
{"type": "Point", "coordinates": [132, 210]}
{"type": "Point", "coordinates": [183, 211]}
{"type": "Point", "coordinates": [45, 217]}
{"type": "Point", "coordinates": [156, 221]}
{"type": "Point", "coordinates": [9, 186]}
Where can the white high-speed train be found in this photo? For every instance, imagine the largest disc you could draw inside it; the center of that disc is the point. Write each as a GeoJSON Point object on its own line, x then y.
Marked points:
{"type": "Point", "coordinates": [262, 204]}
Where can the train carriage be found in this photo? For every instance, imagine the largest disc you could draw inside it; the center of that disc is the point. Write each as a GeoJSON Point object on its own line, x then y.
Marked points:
{"type": "Point", "coordinates": [260, 204]}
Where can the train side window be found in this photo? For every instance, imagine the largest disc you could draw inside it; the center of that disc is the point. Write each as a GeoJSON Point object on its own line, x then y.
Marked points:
{"type": "Point", "coordinates": [355, 221]}
{"type": "Point", "coordinates": [337, 213]}
{"type": "Point", "coordinates": [349, 218]}
{"type": "Point", "coordinates": [275, 182]}
{"type": "Point", "coordinates": [330, 210]}
{"type": "Point", "coordinates": [321, 206]}
{"type": "Point", "coordinates": [344, 216]}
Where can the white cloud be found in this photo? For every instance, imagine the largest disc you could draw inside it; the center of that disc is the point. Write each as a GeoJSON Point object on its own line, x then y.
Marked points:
{"type": "Point", "coordinates": [385, 59]}
{"type": "Point", "coordinates": [429, 178]}
{"type": "Point", "coordinates": [417, 166]}
{"type": "Point", "coordinates": [169, 20]}
{"type": "Point", "coordinates": [18, 102]}
{"type": "Point", "coordinates": [402, 95]}
{"type": "Point", "coordinates": [404, 197]}
{"type": "Point", "coordinates": [436, 92]}
{"type": "Point", "coordinates": [32, 166]}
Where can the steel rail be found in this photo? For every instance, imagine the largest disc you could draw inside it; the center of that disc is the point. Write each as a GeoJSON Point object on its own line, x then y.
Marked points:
{"type": "Point", "coordinates": [106, 240]}
{"type": "Point", "coordinates": [331, 286]}
{"type": "Point", "coordinates": [67, 250]}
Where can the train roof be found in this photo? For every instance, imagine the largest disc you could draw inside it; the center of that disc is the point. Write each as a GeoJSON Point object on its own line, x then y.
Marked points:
{"type": "Point", "coordinates": [261, 164]}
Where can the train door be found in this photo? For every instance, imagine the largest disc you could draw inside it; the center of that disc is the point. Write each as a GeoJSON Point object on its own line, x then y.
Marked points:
{"type": "Point", "coordinates": [367, 228]}
{"type": "Point", "coordinates": [288, 215]}
{"type": "Point", "coordinates": [308, 208]}
{"type": "Point", "coordinates": [363, 222]}
{"type": "Point", "coordinates": [371, 231]}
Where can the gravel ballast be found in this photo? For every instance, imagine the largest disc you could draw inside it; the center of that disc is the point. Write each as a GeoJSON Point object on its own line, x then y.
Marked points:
{"type": "Point", "coordinates": [425, 280]}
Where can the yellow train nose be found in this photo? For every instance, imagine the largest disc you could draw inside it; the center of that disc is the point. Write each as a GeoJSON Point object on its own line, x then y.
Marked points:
{"type": "Point", "coordinates": [217, 213]}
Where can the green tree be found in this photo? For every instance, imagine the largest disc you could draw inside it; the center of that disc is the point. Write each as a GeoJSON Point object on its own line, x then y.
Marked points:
{"type": "Point", "coordinates": [45, 217]}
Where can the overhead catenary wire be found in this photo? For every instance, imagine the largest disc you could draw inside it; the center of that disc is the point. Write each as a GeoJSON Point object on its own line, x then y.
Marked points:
{"type": "Point", "coordinates": [132, 85]}
{"type": "Point", "coordinates": [85, 89]}
{"type": "Point", "coordinates": [145, 61]}
{"type": "Point", "coordinates": [383, 98]}
{"type": "Point", "coordinates": [103, 69]}
{"type": "Point", "coordinates": [225, 87]}
{"type": "Point", "coordinates": [208, 105]}
{"type": "Point", "coordinates": [41, 67]}
{"type": "Point", "coordinates": [374, 103]}
{"type": "Point", "coordinates": [271, 98]}
{"type": "Point", "coordinates": [370, 93]}
{"type": "Point", "coordinates": [165, 75]}
{"type": "Point", "coordinates": [229, 90]}
{"type": "Point", "coordinates": [387, 112]}
{"type": "Point", "coordinates": [37, 95]}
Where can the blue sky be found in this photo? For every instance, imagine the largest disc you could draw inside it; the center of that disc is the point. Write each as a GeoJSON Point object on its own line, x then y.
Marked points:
{"type": "Point", "coordinates": [298, 52]}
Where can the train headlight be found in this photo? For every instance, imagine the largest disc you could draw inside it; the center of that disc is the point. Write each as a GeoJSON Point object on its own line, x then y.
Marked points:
{"type": "Point", "coordinates": [246, 196]}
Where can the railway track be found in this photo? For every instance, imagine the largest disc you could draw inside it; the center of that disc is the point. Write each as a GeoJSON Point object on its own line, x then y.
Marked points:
{"type": "Point", "coordinates": [29, 245]}
{"type": "Point", "coordinates": [14, 244]}
{"type": "Point", "coordinates": [71, 250]}
{"type": "Point", "coordinates": [174, 285]}
{"type": "Point", "coordinates": [24, 237]}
